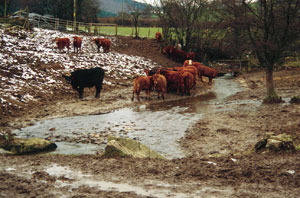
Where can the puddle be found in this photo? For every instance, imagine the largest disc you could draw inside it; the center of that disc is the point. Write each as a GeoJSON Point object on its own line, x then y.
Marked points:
{"type": "Point", "coordinates": [158, 189]}
{"type": "Point", "coordinates": [158, 126]}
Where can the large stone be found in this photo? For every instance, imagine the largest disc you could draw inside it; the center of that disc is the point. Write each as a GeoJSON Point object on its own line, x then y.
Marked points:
{"type": "Point", "coordinates": [21, 146]}
{"type": "Point", "coordinates": [125, 147]}
{"type": "Point", "coordinates": [276, 143]}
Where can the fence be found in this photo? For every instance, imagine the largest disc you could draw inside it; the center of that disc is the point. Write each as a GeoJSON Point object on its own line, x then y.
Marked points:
{"type": "Point", "coordinates": [70, 26]}
{"type": "Point", "coordinates": [27, 20]}
{"type": "Point", "coordinates": [36, 20]}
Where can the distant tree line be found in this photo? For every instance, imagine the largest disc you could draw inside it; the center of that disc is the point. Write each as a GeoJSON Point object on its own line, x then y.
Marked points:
{"type": "Point", "coordinates": [86, 10]}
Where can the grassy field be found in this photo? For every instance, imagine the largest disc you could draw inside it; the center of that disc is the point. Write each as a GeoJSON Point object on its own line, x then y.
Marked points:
{"type": "Point", "coordinates": [148, 32]}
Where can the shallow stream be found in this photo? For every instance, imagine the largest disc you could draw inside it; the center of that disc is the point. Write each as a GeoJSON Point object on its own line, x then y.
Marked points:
{"type": "Point", "coordinates": [158, 126]}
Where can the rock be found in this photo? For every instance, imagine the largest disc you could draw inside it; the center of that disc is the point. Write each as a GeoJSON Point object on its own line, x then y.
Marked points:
{"type": "Point", "coordinates": [21, 146]}
{"type": "Point", "coordinates": [127, 147]}
{"type": "Point", "coordinates": [261, 144]}
{"type": "Point", "coordinates": [276, 143]}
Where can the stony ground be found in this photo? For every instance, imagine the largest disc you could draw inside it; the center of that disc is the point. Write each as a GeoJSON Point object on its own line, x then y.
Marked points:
{"type": "Point", "coordinates": [220, 160]}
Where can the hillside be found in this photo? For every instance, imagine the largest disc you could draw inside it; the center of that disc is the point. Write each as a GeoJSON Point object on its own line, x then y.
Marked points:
{"type": "Point", "coordinates": [113, 7]}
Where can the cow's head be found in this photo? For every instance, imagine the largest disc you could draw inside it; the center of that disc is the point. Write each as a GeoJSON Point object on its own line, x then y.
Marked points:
{"type": "Point", "coordinates": [155, 79]}
{"type": "Point", "coordinates": [68, 78]}
{"type": "Point", "coordinates": [147, 71]}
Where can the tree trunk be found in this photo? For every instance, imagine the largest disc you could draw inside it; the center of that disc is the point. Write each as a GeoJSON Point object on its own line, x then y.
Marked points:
{"type": "Point", "coordinates": [269, 82]}
{"type": "Point", "coordinates": [271, 94]}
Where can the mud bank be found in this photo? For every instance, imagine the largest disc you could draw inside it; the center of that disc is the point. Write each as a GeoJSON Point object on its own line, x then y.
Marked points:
{"type": "Point", "coordinates": [218, 162]}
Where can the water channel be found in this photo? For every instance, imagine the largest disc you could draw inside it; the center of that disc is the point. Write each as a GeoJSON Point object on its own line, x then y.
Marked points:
{"type": "Point", "coordinates": [158, 126]}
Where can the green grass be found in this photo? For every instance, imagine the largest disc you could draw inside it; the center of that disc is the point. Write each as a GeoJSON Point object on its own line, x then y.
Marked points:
{"type": "Point", "coordinates": [148, 32]}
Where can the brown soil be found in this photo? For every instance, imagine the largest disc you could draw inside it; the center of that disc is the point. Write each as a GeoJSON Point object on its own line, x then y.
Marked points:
{"type": "Point", "coordinates": [220, 160]}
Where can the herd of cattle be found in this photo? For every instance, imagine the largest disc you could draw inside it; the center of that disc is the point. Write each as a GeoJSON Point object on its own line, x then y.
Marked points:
{"type": "Point", "coordinates": [61, 43]}
{"type": "Point", "coordinates": [161, 79]}
{"type": "Point", "coordinates": [179, 79]}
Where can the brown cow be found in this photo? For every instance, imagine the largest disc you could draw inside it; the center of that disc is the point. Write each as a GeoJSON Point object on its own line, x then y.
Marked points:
{"type": "Point", "coordinates": [160, 84]}
{"type": "Point", "coordinates": [191, 55]}
{"type": "Point", "coordinates": [158, 36]}
{"type": "Point", "coordinates": [191, 69]}
{"type": "Point", "coordinates": [168, 50]}
{"type": "Point", "coordinates": [104, 43]}
{"type": "Point", "coordinates": [177, 54]}
{"type": "Point", "coordinates": [202, 70]}
{"type": "Point", "coordinates": [154, 70]}
{"type": "Point", "coordinates": [142, 83]}
{"type": "Point", "coordinates": [175, 80]}
{"type": "Point", "coordinates": [77, 43]}
{"type": "Point", "coordinates": [188, 82]}
{"type": "Point", "coordinates": [61, 43]}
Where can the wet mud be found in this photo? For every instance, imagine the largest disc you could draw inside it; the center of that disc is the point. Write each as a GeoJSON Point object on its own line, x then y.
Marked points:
{"type": "Point", "coordinates": [218, 158]}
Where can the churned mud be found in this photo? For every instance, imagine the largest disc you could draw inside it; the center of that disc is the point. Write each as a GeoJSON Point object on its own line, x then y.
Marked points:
{"type": "Point", "coordinates": [217, 161]}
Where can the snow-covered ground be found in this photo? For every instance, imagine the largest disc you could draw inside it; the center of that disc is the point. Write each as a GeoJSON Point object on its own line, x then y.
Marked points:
{"type": "Point", "coordinates": [31, 65]}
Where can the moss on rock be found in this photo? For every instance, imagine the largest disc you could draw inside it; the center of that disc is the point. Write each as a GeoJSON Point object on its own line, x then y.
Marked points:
{"type": "Point", "coordinates": [125, 147]}
{"type": "Point", "coordinates": [276, 143]}
{"type": "Point", "coordinates": [21, 146]}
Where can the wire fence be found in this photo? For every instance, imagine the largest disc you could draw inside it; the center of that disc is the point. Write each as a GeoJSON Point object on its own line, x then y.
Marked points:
{"type": "Point", "coordinates": [70, 26]}
{"type": "Point", "coordinates": [35, 20]}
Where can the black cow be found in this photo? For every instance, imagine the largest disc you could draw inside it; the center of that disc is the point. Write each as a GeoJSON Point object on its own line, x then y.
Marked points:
{"type": "Point", "coordinates": [81, 78]}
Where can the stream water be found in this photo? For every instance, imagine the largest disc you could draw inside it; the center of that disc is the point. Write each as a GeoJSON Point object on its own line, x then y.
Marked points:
{"type": "Point", "coordinates": [158, 126]}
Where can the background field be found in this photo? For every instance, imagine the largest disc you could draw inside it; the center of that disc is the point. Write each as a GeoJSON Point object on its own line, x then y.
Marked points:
{"type": "Point", "coordinates": [148, 32]}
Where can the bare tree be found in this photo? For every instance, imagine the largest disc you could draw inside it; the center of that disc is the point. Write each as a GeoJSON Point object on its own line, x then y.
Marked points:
{"type": "Point", "coordinates": [232, 16]}
{"type": "Point", "coordinates": [88, 10]}
{"type": "Point", "coordinates": [137, 11]}
{"type": "Point", "coordinates": [179, 18]}
{"type": "Point", "coordinates": [273, 26]}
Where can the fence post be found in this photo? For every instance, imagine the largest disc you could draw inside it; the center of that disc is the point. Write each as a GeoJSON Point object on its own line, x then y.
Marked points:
{"type": "Point", "coordinates": [39, 21]}
{"type": "Point", "coordinates": [89, 28]}
{"type": "Point", "coordinates": [116, 30]}
{"type": "Point", "coordinates": [96, 30]}
{"type": "Point", "coordinates": [149, 33]}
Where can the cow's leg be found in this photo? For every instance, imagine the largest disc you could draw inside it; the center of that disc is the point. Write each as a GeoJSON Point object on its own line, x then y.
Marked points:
{"type": "Point", "coordinates": [210, 80]}
{"type": "Point", "coordinates": [80, 91]}
{"type": "Point", "coordinates": [132, 98]}
{"type": "Point", "coordinates": [148, 94]}
{"type": "Point", "coordinates": [98, 91]}
{"type": "Point", "coordinates": [138, 95]}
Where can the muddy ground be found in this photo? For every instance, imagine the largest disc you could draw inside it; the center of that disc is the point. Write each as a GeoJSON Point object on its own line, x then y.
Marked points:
{"type": "Point", "coordinates": [219, 163]}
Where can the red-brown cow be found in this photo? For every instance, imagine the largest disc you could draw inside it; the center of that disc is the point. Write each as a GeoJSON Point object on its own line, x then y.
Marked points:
{"type": "Point", "coordinates": [142, 83]}
{"type": "Point", "coordinates": [61, 43]}
{"type": "Point", "coordinates": [77, 43]}
{"type": "Point", "coordinates": [158, 36]}
{"type": "Point", "coordinates": [191, 69]}
{"type": "Point", "coordinates": [160, 84]}
{"type": "Point", "coordinates": [168, 50]}
{"type": "Point", "coordinates": [104, 43]}
{"type": "Point", "coordinates": [202, 70]}
{"type": "Point", "coordinates": [154, 70]}
{"type": "Point", "coordinates": [175, 80]}
{"type": "Point", "coordinates": [188, 82]}
{"type": "Point", "coordinates": [191, 55]}
{"type": "Point", "coordinates": [178, 54]}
